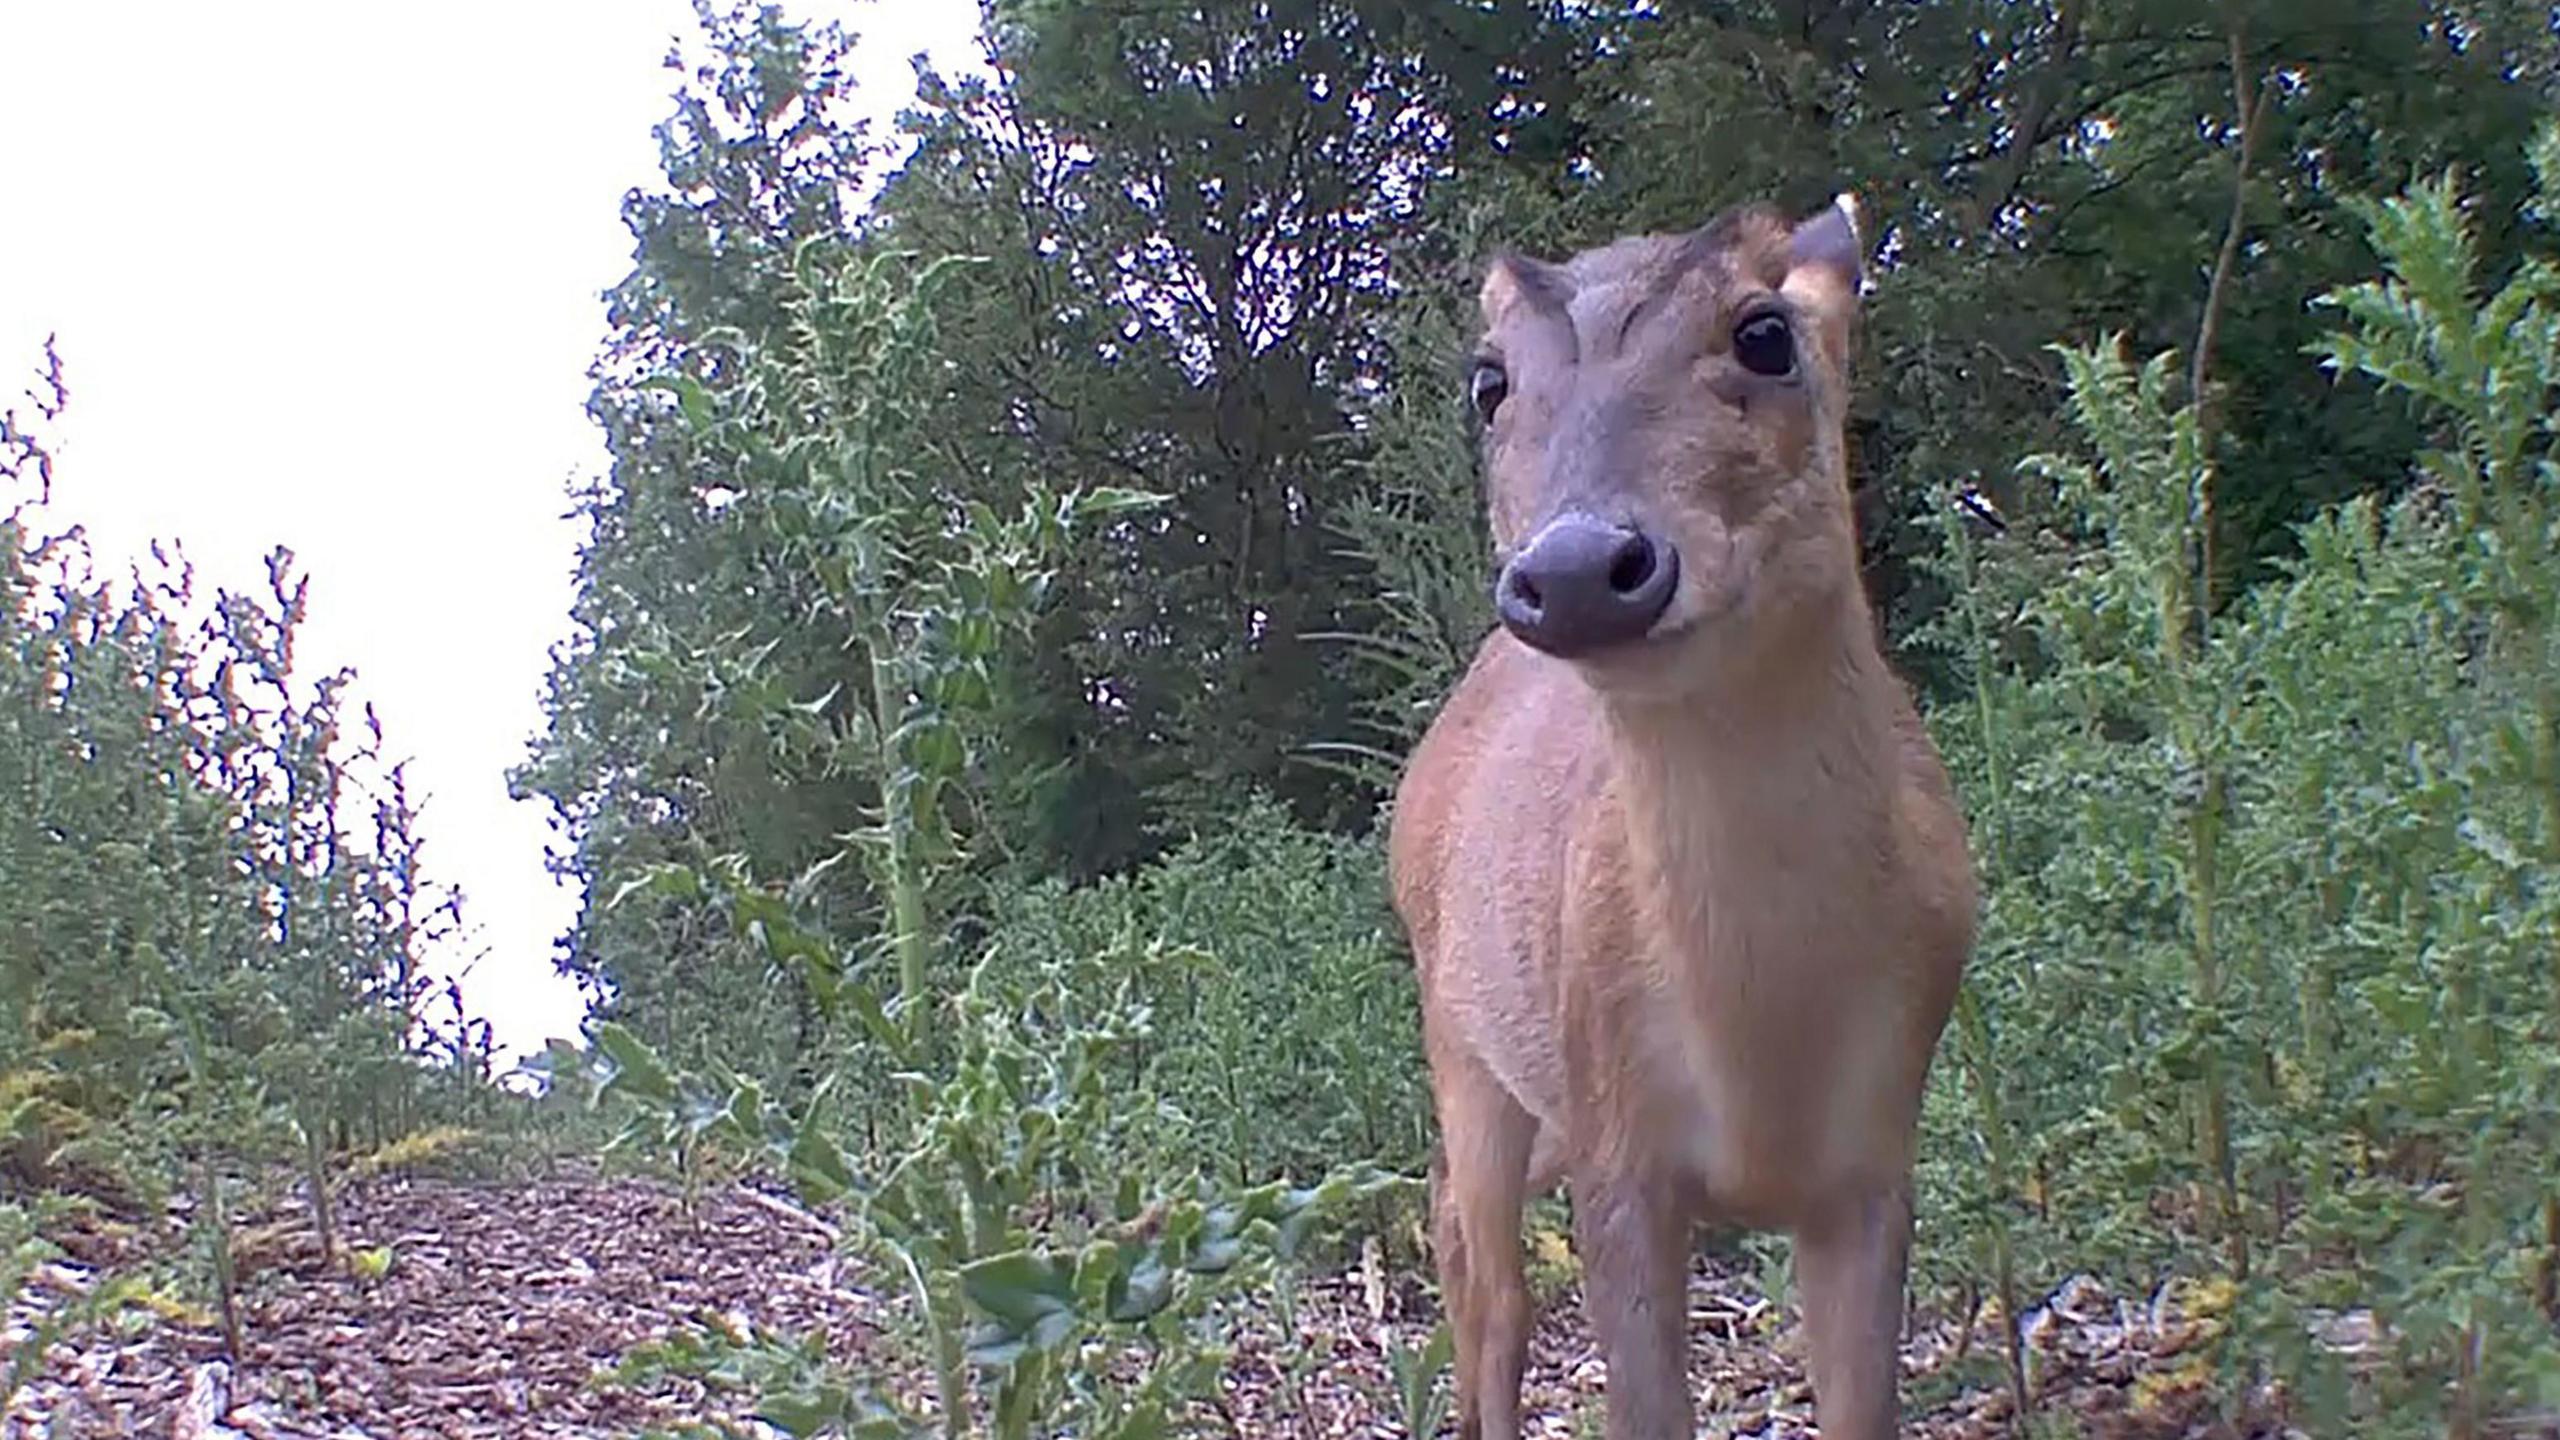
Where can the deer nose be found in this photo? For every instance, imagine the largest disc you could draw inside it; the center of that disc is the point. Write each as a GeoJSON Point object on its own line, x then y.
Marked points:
{"type": "Point", "coordinates": [1582, 584]}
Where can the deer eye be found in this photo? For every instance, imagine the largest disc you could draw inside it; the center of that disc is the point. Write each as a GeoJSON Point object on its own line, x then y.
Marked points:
{"type": "Point", "coordinates": [1486, 387]}
{"type": "Point", "coordinates": [1765, 345]}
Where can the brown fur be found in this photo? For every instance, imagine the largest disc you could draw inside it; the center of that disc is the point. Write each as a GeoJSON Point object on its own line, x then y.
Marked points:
{"type": "Point", "coordinates": [1690, 913]}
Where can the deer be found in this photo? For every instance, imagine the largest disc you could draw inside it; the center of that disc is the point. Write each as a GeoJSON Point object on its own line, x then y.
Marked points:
{"type": "Point", "coordinates": [1688, 891]}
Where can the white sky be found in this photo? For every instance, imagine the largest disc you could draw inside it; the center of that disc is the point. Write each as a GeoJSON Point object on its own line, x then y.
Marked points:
{"type": "Point", "coordinates": [329, 276]}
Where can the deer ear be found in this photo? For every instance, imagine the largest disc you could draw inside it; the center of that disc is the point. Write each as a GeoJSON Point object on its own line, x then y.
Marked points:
{"type": "Point", "coordinates": [1830, 239]}
{"type": "Point", "coordinates": [1501, 286]}
{"type": "Point", "coordinates": [1512, 279]}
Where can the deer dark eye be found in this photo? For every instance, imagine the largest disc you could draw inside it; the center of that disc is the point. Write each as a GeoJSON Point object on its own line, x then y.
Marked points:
{"type": "Point", "coordinates": [1765, 345]}
{"type": "Point", "coordinates": [1486, 387]}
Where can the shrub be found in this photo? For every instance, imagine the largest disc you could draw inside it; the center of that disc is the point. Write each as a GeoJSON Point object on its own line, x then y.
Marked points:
{"type": "Point", "coordinates": [1292, 1037]}
{"type": "Point", "coordinates": [2265, 996]}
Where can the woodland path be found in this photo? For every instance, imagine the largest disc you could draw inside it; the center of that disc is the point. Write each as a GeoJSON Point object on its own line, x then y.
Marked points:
{"type": "Point", "coordinates": [503, 1303]}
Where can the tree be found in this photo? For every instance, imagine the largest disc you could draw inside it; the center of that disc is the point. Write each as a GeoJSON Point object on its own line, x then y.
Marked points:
{"type": "Point", "coordinates": [644, 760]}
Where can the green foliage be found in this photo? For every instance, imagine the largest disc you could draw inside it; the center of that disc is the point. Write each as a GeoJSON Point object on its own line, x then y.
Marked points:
{"type": "Point", "coordinates": [1418, 1373]}
{"type": "Point", "coordinates": [2246, 705]}
{"type": "Point", "coordinates": [1287, 1030]}
{"type": "Point", "coordinates": [1225, 254]}
{"type": "Point", "coordinates": [1418, 526]}
{"type": "Point", "coordinates": [201, 888]}
{"type": "Point", "coordinates": [24, 1251]}
{"type": "Point", "coordinates": [984, 1152]}
{"type": "Point", "coordinates": [1055, 1283]}
{"type": "Point", "coordinates": [212, 911]}
{"type": "Point", "coordinates": [2267, 958]}
{"type": "Point", "coordinates": [836, 461]}
{"type": "Point", "coordinates": [796, 1390]}
{"type": "Point", "coordinates": [657, 749]}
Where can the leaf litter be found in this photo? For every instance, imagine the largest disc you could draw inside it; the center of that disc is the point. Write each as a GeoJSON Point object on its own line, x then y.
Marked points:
{"type": "Point", "coordinates": [492, 1310]}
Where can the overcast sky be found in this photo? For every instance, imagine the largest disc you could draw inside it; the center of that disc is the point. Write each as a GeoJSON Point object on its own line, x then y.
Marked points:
{"type": "Point", "coordinates": [328, 276]}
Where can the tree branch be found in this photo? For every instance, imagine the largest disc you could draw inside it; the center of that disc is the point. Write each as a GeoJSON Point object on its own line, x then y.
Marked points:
{"type": "Point", "coordinates": [2042, 94]}
{"type": "Point", "coordinates": [2249, 102]}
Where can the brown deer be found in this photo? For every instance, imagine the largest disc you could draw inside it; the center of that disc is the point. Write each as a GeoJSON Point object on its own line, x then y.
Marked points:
{"type": "Point", "coordinates": [1687, 888]}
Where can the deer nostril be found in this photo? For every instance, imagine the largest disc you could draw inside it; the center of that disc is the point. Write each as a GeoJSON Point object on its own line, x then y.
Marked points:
{"type": "Point", "coordinates": [1633, 565]}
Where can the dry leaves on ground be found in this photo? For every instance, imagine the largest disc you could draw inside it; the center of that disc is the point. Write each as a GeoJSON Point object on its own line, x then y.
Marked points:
{"type": "Point", "coordinates": [499, 1307]}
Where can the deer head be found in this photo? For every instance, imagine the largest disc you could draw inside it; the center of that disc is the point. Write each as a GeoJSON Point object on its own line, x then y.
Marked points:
{"type": "Point", "coordinates": [1662, 437]}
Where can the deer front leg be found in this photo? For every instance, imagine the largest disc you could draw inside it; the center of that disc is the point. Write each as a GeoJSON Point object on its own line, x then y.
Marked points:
{"type": "Point", "coordinates": [1485, 1146]}
{"type": "Point", "coordinates": [1635, 1261]}
{"type": "Point", "coordinates": [1850, 1266]}
{"type": "Point", "coordinates": [1449, 1251]}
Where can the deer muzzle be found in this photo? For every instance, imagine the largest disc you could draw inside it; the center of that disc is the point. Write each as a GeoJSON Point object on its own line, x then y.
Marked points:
{"type": "Point", "coordinates": [1583, 584]}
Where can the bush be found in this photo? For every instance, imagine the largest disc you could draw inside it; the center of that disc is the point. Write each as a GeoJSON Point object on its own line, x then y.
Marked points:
{"type": "Point", "coordinates": [1291, 1038]}
{"type": "Point", "coordinates": [2265, 997]}
{"type": "Point", "coordinates": [212, 915]}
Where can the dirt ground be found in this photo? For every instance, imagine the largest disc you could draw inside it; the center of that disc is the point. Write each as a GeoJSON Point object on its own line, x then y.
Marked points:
{"type": "Point", "coordinates": [502, 1305]}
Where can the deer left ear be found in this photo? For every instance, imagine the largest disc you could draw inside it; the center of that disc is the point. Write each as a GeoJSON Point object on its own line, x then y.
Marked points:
{"type": "Point", "coordinates": [1830, 239]}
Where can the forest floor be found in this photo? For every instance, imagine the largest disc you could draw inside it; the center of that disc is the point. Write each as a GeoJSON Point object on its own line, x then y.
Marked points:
{"type": "Point", "coordinates": [502, 1305]}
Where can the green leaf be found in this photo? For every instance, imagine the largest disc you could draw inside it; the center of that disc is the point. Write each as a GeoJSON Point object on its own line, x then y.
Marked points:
{"type": "Point", "coordinates": [873, 1016]}
{"type": "Point", "coordinates": [806, 1411]}
{"type": "Point", "coordinates": [1142, 1290]}
{"type": "Point", "coordinates": [1145, 1422]}
{"type": "Point", "coordinates": [1103, 501]}
{"type": "Point", "coordinates": [635, 1069]}
{"type": "Point", "coordinates": [1019, 1289]}
{"type": "Point", "coordinates": [692, 400]}
{"type": "Point", "coordinates": [700, 1108]}
{"type": "Point", "coordinates": [817, 1168]}
{"type": "Point", "coordinates": [667, 880]}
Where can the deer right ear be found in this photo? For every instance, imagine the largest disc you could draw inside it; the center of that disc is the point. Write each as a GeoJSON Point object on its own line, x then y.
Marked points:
{"type": "Point", "coordinates": [1830, 239]}
{"type": "Point", "coordinates": [1511, 279]}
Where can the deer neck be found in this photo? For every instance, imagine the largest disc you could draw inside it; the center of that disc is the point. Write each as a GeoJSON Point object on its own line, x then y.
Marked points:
{"type": "Point", "coordinates": [1779, 781]}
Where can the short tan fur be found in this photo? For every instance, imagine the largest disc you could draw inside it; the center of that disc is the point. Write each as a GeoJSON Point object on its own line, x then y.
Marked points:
{"type": "Point", "coordinates": [1687, 888]}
